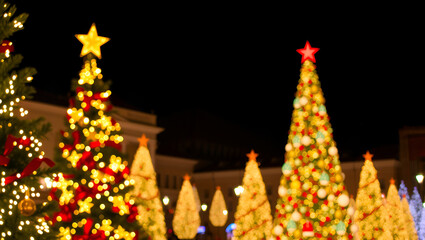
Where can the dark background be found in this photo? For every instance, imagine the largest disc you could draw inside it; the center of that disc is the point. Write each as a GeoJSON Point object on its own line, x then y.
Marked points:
{"type": "Point", "coordinates": [222, 78]}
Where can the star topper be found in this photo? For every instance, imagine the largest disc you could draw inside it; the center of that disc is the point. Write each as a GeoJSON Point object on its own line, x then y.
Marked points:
{"type": "Point", "coordinates": [91, 42]}
{"type": "Point", "coordinates": [252, 155]}
{"type": "Point", "coordinates": [368, 156]}
{"type": "Point", "coordinates": [308, 52]}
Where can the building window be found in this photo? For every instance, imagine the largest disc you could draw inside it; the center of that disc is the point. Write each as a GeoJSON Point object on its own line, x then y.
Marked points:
{"type": "Point", "coordinates": [166, 183]}
{"type": "Point", "coordinates": [158, 179]}
{"type": "Point", "coordinates": [174, 182]}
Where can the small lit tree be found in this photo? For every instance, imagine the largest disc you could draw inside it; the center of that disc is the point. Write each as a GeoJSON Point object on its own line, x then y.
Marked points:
{"type": "Point", "coordinates": [253, 217]}
{"type": "Point", "coordinates": [416, 207]}
{"type": "Point", "coordinates": [186, 217]}
{"type": "Point", "coordinates": [369, 215]}
{"type": "Point", "coordinates": [218, 210]}
{"type": "Point", "coordinates": [146, 192]}
{"type": "Point", "coordinates": [396, 224]}
{"type": "Point", "coordinates": [408, 220]}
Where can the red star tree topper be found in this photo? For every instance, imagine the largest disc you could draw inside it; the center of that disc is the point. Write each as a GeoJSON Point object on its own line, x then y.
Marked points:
{"type": "Point", "coordinates": [308, 52]}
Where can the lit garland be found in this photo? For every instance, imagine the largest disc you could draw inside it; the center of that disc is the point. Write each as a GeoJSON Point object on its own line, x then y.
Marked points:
{"type": "Point", "coordinates": [20, 152]}
{"type": "Point", "coordinates": [312, 199]}
{"type": "Point", "coordinates": [96, 182]}
{"type": "Point", "coordinates": [253, 217]}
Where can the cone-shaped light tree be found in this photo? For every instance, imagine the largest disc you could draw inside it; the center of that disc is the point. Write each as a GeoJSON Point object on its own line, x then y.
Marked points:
{"type": "Point", "coordinates": [416, 207]}
{"type": "Point", "coordinates": [218, 210]}
{"type": "Point", "coordinates": [146, 192]}
{"type": "Point", "coordinates": [93, 188]}
{"type": "Point", "coordinates": [253, 217]}
{"type": "Point", "coordinates": [186, 217]}
{"type": "Point", "coordinates": [21, 152]}
{"type": "Point", "coordinates": [369, 215]}
{"type": "Point", "coordinates": [421, 230]}
{"type": "Point", "coordinates": [403, 191]}
{"type": "Point", "coordinates": [396, 224]}
{"type": "Point", "coordinates": [312, 201]}
{"type": "Point", "coordinates": [408, 220]}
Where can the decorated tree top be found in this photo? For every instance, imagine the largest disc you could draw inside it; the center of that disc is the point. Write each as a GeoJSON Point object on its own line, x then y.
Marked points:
{"type": "Point", "coordinates": [312, 199]}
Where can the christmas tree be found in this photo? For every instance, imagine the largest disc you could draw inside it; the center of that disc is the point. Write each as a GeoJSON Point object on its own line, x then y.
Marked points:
{"type": "Point", "coordinates": [218, 210]}
{"type": "Point", "coordinates": [421, 230]}
{"type": "Point", "coordinates": [186, 217]}
{"type": "Point", "coordinates": [146, 193]}
{"type": "Point", "coordinates": [312, 201]}
{"type": "Point", "coordinates": [408, 220]}
{"type": "Point", "coordinates": [396, 222]}
{"type": "Point", "coordinates": [253, 217]}
{"type": "Point", "coordinates": [93, 189]}
{"type": "Point", "coordinates": [416, 207]}
{"type": "Point", "coordinates": [403, 191]}
{"type": "Point", "coordinates": [20, 140]}
{"type": "Point", "coordinates": [369, 215]}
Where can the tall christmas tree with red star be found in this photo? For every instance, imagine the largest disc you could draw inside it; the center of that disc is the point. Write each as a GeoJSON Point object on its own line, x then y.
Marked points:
{"type": "Point", "coordinates": [93, 188]}
{"type": "Point", "coordinates": [313, 201]}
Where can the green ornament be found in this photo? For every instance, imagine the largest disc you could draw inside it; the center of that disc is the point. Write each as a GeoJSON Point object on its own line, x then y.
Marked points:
{"type": "Point", "coordinates": [291, 226]}
{"type": "Point", "coordinates": [322, 109]}
{"type": "Point", "coordinates": [340, 228]}
{"type": "Point", "coordinates": [324, 179]}
{"type": "Point", "coordinates": [286, 169]}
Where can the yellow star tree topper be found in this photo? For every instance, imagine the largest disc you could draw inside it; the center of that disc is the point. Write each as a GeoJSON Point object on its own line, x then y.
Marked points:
{"type": "Point", "coordinates": [91, 42]}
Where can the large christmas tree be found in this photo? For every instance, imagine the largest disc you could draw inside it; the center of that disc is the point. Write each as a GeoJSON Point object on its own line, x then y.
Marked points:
{"type": "Point", "coordinates": [370, 212]}
{"type": "Point", "coordinates": [93, 188]}
{"type": "Point", "coordinates": [20, 144]}
{"type": "Point", "coordinates": [313, 200]}
{"type": "Point", "coordinates": [146, 192]}
{"type": "Point", "coordinates": [253, 217]}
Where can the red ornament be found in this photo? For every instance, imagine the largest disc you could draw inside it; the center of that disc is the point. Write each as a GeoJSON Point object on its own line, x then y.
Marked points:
{"type": "Point", "coordinates": [308, 52]}
{"type": "Point", "coordinates": [6, 45]}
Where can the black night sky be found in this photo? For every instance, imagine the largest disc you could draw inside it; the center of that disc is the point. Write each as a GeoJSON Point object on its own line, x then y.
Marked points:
{"type": "Point", "coordinates": [239, 63]}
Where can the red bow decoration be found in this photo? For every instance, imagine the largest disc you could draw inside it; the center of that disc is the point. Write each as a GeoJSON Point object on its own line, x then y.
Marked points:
{"type": "Point", "coordinates": [107, 143]}
{"type": "Point", "coordinates": [65, 213]}
{"type": "Point", "coordinates": [133, 212]}
{"type": "Point", "coordinates": [29, 169]}
{"type": "Point", "coordinates": [76, 136]}
{"type": "Point", "coordinates": [99, 235]}
{"type": "Point", "coordinates": [4, 160]}
{"type": "Point", "coordinates": [86, 159]}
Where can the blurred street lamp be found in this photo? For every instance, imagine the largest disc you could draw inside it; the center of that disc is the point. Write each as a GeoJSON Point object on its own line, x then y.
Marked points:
{"type": "Point", "coordinates": [165, 200]}
{"type": "Point", "coordinates": [238, 190]}
{"type": "Point", "coordinates": [204, 207]}
{"type": "Point", "coordinates": [420, 178]}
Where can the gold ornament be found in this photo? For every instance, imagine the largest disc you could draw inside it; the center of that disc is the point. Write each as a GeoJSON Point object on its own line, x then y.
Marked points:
{"type": "Point", "coordinates": [27, 206]}
{"type": "Point", "coordinates": [91, 42]}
